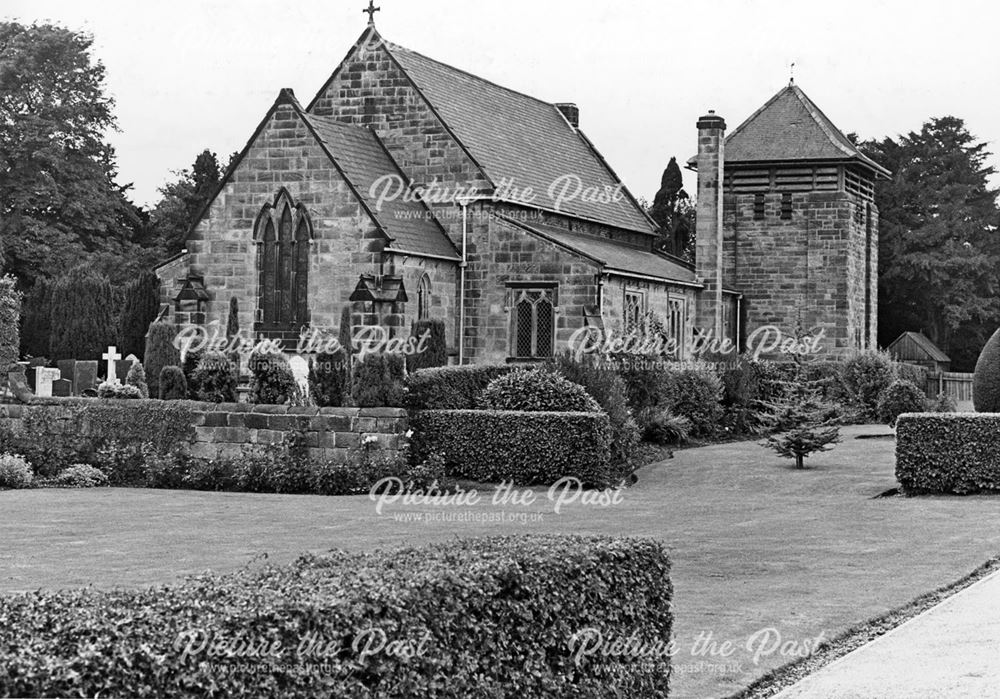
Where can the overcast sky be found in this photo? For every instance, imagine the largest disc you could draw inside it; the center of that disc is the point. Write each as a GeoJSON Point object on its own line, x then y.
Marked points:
{"type": "Point", "coordinates": [191, 75]}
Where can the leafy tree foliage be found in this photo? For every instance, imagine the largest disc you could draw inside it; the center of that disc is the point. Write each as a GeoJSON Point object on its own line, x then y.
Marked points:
{"type": "Point", "coordinates": [939, 252]}
{"type": "Point", "coordinates": [673, 212]}
{"type": "Point", "coordinates": [10, 315]}
{"type": "Point", "coordinates": [182, 201]}
{"type": "Point", "coordinates": [58, 196]}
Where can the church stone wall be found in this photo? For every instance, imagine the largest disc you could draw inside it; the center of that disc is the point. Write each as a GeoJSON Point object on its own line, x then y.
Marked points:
{"type": "Point", "coordinates": [345, 240]}
{"type": "Point", "coordinates": [499, 253]}
{"type": "Point", "coordinates": [657, 297]}
{"type": "Point", "coordinates": [443, 278]}
{"type": "Point", "coordinates": [812, 265]}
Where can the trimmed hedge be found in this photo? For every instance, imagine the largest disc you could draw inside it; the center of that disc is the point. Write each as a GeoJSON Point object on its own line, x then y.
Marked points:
{"type": "Point", "coordinates": [452, 387]}
{"type": "Point", "coordinates": [948, 452]}
{"type": "Point", "coordinates": [528, 448]}
{"type": "Point", "coordinates": [606, 387]}
{"type": "Point", "coordinates": [986, 380]}
{"type": "Point", "coordinates": [536, 390]}
{"type": "Point", "coordinates": [86, 427]}
{"type": "Point", "coordinates": [481, 617]}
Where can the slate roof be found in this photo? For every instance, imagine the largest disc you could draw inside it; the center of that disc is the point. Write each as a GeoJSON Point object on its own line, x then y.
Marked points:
{"type": "Point", "coordinates": [520, 139]}
{"type": "Point", "coordinates": [791, 127]}
{"type": "Point", "coordinates": [612, 255]}
{"type": "Point", "coordinates": [363, 159]}
{"type": "Point", "coordinates": [932, 351]}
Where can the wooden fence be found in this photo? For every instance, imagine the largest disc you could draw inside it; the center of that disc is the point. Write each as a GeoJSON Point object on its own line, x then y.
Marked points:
{"type": "Point", "coordinates": [951, 383]}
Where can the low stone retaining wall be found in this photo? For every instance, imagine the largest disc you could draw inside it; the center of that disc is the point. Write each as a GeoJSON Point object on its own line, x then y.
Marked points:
{"type": "Point", "coordinates": [222, 429]}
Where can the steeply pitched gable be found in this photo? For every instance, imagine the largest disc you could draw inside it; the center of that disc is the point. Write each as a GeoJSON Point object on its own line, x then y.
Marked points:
{"type": "Point", "coordinates": [359, 157]}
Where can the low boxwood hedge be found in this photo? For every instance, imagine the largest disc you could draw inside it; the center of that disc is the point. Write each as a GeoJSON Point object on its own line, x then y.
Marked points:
{"type": "Point", "coordinates": [489, 617]}
{"type": "Point", "coordinates": [528, 448]}
{"type": "Point", "coordinates": [451, 387]}
{"type": "Point", "coordinates": [948, 452]}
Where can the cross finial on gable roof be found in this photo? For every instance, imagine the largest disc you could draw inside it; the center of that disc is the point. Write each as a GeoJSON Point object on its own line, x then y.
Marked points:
{"type": "Point", "coordinates": [370, 11]}
{"type": "Point", "coordinates": [791, 74]}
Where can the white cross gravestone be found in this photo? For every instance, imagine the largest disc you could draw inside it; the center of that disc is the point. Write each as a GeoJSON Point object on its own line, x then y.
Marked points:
{"type": "Point", "coordinates": [112, 356]}
{"type": "Point", "coordinates": [43, 381]}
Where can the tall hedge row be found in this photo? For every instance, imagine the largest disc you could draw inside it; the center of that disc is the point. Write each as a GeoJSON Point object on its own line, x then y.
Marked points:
{"type": "Point", "coordinates": [36, 320]}
{"type": "Point", "coordinates": [948, 452]}
{"type": "Point", "coordinates": [527, 448]}
{"type": "Point", "coordinates": [477, 617]}
{"type": "Point", "coordinates": [84, 320]}
{"type": "Point", "coordinates": [142, 303]}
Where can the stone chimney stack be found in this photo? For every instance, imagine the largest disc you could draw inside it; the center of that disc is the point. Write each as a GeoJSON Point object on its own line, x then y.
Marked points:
{"type": "Point", "coordinates": [708, 229]}
{"type": "Point", "coordinates": [571, 112]}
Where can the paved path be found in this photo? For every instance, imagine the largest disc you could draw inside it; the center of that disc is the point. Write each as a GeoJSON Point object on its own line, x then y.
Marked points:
{"type": "Point", "coordinates": [951, 651]}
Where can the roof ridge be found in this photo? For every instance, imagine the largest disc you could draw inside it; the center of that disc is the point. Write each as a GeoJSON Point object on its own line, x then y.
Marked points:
{"type": "Point", "coordinates": [390, 45]}
{"type": "Point", "coordinates": [757, 113]}
{"type": "Point", "coordinates": [823, 121]}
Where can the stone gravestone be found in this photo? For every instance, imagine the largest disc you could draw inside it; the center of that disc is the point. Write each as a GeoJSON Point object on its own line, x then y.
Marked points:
{"type": "Point", "coordinates": [66, 368]}
{"type": "Point", "coordinates": [121, 369]}
{"type": "Point", "coordinates": [33, 365]}
{"type": "Point", "coordinates": [85, 376]}
{"type": "Point", "coordinates": [32, 375]}
{"type": "Point", "coordinates": [62, 388]}
{"type": "Point", "coordinates": [45, 378]}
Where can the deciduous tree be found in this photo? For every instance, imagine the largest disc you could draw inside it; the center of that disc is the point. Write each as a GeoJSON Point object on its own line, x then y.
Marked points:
{"type": "Point", "coordinates": [939, 252]}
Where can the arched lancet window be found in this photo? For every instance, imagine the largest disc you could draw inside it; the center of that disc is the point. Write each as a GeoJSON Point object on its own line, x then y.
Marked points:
{"type": "Point", "coordinates": [424, 298]}
{"type": "Point", "coordinates": [283, 233]}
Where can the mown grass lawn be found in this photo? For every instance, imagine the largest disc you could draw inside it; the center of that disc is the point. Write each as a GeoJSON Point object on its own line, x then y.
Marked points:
{"type": "Point", "coordinates": [755, 544]}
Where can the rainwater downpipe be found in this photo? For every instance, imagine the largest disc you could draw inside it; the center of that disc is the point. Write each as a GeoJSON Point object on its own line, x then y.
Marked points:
{"type": "Point", "coordinates": [464, 203]}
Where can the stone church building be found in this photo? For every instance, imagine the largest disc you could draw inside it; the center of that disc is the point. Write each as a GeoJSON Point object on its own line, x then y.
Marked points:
{"type": "Point", "coordinates": [409, 189]}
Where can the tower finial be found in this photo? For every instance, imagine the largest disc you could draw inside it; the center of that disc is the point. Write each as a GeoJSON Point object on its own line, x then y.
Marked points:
{"type": "Point", "coordinates": [370, 11]}
{"type": "Point", "coordinates": [791, 73]}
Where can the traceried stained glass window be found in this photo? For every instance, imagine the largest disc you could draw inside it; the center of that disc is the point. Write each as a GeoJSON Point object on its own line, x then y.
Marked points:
{"type": "Point", "coordinates": [533, 323]}
{"type": "Point", "coordinates": [283, 233]}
